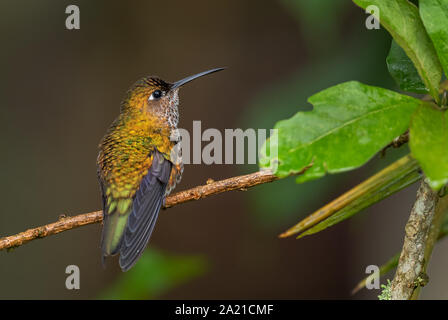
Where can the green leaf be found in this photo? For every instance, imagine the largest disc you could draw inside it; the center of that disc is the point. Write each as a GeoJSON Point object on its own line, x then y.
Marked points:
{"type": "Point", "coordinates": [349, 124]}
{"type": "Point", "coordinates": [155, 273]}
{"type": "Point", "coordinates": [401, 18]}
{"type": "Point", "coordinates": [429, 143]}
{"type": "Point", "coordinates": [388, 181]}
{"type": "Point", "coordinates": [434, 14]}
{"type": "Point", "coordinates": [273, 205]}
{"type": "Point", "coordinates": [403, 70]}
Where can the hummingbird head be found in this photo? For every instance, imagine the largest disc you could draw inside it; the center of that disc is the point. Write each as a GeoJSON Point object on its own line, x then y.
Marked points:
{"type": "Point", "coordinates": [158, 97]}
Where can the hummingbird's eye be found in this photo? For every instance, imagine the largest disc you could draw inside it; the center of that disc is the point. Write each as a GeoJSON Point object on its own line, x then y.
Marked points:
{"type": "Point", "coordinates": [156, 95]}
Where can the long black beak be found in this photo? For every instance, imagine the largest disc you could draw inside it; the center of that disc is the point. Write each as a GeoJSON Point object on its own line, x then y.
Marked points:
{"type": "Point", "coordinates": [180, 83]}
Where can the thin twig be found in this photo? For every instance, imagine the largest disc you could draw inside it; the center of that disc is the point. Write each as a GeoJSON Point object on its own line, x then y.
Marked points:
{"type": "Point", "coordinates": [421, 232]}
{"type": "Point", "coordinates": [396, 143]}
{"type": "Point", "coordinates": [211, 188]}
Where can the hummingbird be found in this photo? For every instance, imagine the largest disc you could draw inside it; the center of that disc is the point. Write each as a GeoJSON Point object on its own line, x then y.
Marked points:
{"type": "Point", "coordinates": [135, 166]}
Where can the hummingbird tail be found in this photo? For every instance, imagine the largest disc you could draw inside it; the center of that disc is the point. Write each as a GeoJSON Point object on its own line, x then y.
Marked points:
{"type": "Point", "coordinates": [113, 230]}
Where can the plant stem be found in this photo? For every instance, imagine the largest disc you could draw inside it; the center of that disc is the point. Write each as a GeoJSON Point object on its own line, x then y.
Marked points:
{"type": "Point", "coordinates": [421, 232]}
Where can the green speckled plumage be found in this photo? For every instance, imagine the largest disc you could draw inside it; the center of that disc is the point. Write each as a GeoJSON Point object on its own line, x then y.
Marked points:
{"type": "Point", "coordinates": [125, 158]}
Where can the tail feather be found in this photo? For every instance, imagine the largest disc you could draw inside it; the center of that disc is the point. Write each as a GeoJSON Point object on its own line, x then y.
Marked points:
{"type": "Point", "coordinates": [113, 230]}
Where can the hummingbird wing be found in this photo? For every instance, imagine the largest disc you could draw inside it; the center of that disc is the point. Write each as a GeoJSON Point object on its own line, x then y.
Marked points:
{"type": "Point", "coordinates": [128, 226]}
{"type": "Point", "coordinates": [145, 209]}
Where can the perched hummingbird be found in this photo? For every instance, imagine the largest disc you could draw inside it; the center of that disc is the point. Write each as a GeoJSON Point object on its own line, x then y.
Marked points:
{"type": "Point", "coordinates": [135, 167]}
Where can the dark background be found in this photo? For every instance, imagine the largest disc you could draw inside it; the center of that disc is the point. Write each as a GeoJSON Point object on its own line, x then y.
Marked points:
{"type": "Point", "coordinates": [60, 90]}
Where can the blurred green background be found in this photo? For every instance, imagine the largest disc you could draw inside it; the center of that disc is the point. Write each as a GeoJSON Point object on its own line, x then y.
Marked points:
{"type": "Point", "coordinates": [61, 89]}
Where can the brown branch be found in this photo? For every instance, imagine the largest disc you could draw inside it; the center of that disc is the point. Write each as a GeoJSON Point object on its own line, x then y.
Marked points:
{"type": "Point", "coordinates": [421, 232]}
{"type": "Point", "coordinates": [66, 223]}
